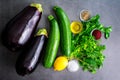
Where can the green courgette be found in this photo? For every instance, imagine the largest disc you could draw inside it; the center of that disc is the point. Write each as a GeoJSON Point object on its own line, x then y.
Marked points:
{"type": "Point", "coordinates": [65, 33]}
{"type": "Point", "coordinates": [52, 43]}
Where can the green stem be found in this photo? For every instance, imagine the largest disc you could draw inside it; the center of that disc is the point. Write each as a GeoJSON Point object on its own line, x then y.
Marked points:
{"type": "Point", "coordinates": [37, 5]}
{"type": "Point", "coordinates": [50, 17]}
{"type": "Point", "coordinates": [42, 32]}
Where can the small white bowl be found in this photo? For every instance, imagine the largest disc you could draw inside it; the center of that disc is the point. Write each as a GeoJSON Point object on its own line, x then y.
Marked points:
{"type": "Point", "coordinates": [81, 18]}
{"type": "Point", "coordinates": [73, 66]}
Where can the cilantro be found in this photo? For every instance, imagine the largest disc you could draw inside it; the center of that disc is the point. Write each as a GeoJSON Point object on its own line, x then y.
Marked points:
{"type": "Point", "coordinates": [87, 50]}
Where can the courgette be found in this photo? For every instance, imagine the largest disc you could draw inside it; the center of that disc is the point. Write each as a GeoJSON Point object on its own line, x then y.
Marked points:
{"type": "Point", "coordinates": [52, 43]}
{"type": "Point", "coordinates": [65, 33]}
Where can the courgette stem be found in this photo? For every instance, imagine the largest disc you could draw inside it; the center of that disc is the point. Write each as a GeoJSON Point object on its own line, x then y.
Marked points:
{"type": "Point", "coordinates": [50, 17]}
{"type": "Point", "coordinates": [55, 7]}
{"type": "Point", "coordinates": [42, 32]}
{"type": "Point", "coordinates": [37, 5]}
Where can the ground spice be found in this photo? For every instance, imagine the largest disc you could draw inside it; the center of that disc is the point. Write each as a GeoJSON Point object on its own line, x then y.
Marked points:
{"type": "Point", "coordinates": [97, 34]}
{"type": "Point", "coordinates": [85, 15]}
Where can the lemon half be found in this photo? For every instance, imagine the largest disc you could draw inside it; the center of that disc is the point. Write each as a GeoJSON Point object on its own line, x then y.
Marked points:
{"type": "Point", "coordinates": [76, 27]}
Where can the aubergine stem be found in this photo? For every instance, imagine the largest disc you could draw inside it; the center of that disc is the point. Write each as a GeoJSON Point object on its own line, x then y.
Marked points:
{"type": "Point", "coordinates": [42, 32]}
{"type": "Point", "coordinates": [37, 5]}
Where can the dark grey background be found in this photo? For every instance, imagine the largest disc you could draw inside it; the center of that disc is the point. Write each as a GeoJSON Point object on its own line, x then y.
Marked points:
{"type": "Point", "coordinates": [109, 11]}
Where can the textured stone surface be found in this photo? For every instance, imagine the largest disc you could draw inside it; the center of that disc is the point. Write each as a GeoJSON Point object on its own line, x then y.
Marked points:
{"type": "Point", "coordinates": [109, 12]}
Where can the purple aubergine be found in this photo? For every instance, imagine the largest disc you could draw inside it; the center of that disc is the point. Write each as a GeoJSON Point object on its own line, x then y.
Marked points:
{"type": "Point", "coordinates": [30, 57]}
{"type": "Point", "coordinates": [20, 29]}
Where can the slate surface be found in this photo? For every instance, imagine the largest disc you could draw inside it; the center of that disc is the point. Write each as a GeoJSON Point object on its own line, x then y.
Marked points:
{"type": "Point", "coordinates": [109, 11]}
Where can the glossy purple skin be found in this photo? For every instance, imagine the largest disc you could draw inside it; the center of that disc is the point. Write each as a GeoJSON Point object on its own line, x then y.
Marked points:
{"type": "Point", "coordinates": [30, 57]}
{"type": "Point", "coordinates": [21, 28]}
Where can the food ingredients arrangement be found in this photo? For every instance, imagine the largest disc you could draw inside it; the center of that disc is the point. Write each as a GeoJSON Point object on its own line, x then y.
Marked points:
{"type": "Point", "coordinates": [79, 41]}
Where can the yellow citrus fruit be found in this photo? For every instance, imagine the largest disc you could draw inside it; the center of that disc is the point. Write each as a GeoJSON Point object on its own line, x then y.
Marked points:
{"type": "Point", "coordinates": [76, 27]}
{"type": "Point", "coordinates": [60, 63]}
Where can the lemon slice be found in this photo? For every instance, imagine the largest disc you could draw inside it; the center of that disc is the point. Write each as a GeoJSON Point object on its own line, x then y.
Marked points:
{"type": "Point", "coordinates": [76, 27]}
{"type": "Point", "coordinates": [60, 63]}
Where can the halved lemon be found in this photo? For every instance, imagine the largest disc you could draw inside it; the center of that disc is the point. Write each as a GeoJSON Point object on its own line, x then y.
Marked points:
{"type": "Point", "coordinates": [76, 27]}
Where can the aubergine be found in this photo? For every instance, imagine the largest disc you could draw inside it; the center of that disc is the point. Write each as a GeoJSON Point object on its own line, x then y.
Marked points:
{"type": "Point", "coordinates": [30, 57]}
{"type": "Point", "coordinates": [20, 29]}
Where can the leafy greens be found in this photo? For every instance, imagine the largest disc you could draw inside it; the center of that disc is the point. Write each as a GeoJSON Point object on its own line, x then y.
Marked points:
{"type": "Point", "coordinates": [86, 49]}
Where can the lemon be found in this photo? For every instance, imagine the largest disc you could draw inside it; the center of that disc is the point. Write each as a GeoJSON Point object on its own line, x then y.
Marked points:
{"type": "Point", "coordinates": [76, 27]}
{"type": "Point", "coordinates": [60, 63]}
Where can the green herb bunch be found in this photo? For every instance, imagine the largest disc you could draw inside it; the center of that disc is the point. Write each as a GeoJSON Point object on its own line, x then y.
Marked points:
{"type": "Point", "coordinates": [87, 50]}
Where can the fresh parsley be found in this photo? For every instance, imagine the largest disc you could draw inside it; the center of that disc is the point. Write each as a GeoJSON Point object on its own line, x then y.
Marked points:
{"type": "Point", "coordinates": [87, 50]}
